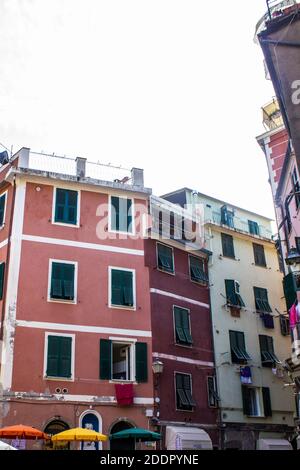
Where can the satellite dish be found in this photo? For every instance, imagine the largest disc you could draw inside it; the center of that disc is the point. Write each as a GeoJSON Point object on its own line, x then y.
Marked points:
{"type": "Point", "coordinates": [4, 158]}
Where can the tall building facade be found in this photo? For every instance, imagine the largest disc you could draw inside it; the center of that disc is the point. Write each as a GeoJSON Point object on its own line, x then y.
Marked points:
{"type": "Point", "coordinates": [185, 392]}
{"type": "Point", "coordinates": [250, 330]}
{"type": "Point", "coordinates": [75, 303]}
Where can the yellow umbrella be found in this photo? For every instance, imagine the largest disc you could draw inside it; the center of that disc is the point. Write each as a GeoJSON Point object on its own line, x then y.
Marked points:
{"type": "Point", "coordinates": [79, 434]}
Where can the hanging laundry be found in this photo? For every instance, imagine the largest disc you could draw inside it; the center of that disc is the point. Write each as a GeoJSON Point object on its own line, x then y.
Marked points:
{"type": "Point", "coordinates": [293, 315]}
{"type": "Point", "coordinates": [124, 394]}
{"type": "Point", "coordinates": [298, 312]}
{"type": "Point", "coordinates": [246, 377]}
{"type": "Point", "coordinates": [268, 320]}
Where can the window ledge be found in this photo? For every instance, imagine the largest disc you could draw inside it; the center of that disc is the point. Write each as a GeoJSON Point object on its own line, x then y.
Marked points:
{"type": "Point", "coordinates": [187, 346]}
{"type": "Point", "coordinates": [65, 224]}
{"type": "Point", "coordinates": [58, 379]}
{"type": "Point", "coordinates": [165, 272]}
{"type": "Point", "coordinates": [62, 301]}
{"type": "Point", "coordinates": [123, 307]}
{"type": "Point", "coordinates": [117, 381]}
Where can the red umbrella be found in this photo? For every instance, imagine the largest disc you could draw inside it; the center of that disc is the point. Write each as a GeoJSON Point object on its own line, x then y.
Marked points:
{"type": "Point", "coordinates": [22, 432]}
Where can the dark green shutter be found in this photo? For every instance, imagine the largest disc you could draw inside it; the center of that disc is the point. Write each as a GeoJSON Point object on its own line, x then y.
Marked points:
{"type": "Point", "coordinates": [230, 292]}
{"type": "Point", "coordinates": [105, 359]}
{"type": "Point", "coordinates": [2, 207]}
{"type": "Point", "coordinates": [59, 356]}
{"type": "Point", "coordinates": [227, 245]}
{"type": "Point", "coordinates": [66, 206]}
{"type": "Point", "coordinates": [267, 401]}
{"type": "Point", "coordinates": [2, 270]}
{"type": "Point", "coordinates": [122, 287]}
{"type": "Point", "coordinates": [53, 354]}
{"type": "Point", "coordinates": [261, 300]}
{"type": "Point", "coordinates": [259, 255]}
{"type": "Point", "coordinates": [62, 281]}
{"type": "Point", "coordinates": [165, 258]}
{"type": "Point", "coordinates": [246, 401]}
{"type": "Point", "coordinates": [65, 357]}
{"type": "Point", "coordinates": [289, 290]}
{"type": "Point", "coordinates": [141, 362]}
{"type": "Point", "coordinates": [182, 326]}
{"type": "Point", "coordinates": [114, 213]}
{"type": "Point", "coordinates": [180, 336]}
{"type": "Point", "coordinates": [284, 325]}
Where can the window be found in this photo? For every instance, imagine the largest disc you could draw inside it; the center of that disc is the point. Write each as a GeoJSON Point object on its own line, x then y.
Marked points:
{"type": "Point", "coordinates": [123, 361]}
{"type": "Point", "coordinates": [122, 287]}
{"type": "Point", "coordinates": [261, 300]}
{"type": "Point", "coordinates": [197, 270]}
{"type": "Point", "coordinates": [62, 285]}
{"type": "Point", "coordinates": [184, 398]}
{"type": "Point", "coordinates": [252, 399]}
{"type": "Point", "coordinates": [182, 326]}
{"type": "Point", "coordinates": [227, 245]}
{"type": "Point", "coordinates": [2, 208]}
{"type": "Point", "coordinates": [121, 210]}
{"type": "Point", "coordinates": [59, 356]}
{"type": "Point", "coordinates": [268, 357]}
{"type": "Point", "coordinates": [284, 325]}
{"type": "Point", "coordinates": [165, 258]}
{"type": "Point", "coordinates": [239, 354]}
{"type": "Point", "coordinates": [227, 216]}
{"type": "Point", "coordinates": [291, 284]}
{"type": "Point", "coordinates": [296, 187]}
{"type": "Point", "coordinates": [212, 392]}
{"type": "Point", "coordinates": [233, 296]}
{"type": "Point", "coordinates": [253, 227]}
{"type": "Point", "coordinates": [251, 402]}
{"type": "Point", "coordinates": [259, 255]}
{"type": "Point", "coordinates": [66, 206]}
{"type": "Point", "coordinates": [2, 270]}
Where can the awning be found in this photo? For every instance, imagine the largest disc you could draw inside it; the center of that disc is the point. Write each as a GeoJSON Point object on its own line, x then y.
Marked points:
{"type": "Point", "coordinates": [274, 444]}
{"type": "Point", "coordinates": [187, 438]}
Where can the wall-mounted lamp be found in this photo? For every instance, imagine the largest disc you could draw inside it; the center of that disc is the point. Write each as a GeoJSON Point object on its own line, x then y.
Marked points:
{"type": "Point", "coordinates": [157, 367]}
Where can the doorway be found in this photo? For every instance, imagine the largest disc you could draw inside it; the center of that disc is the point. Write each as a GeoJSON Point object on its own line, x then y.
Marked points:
{"type": "Point", "coordinates": [121, 444]}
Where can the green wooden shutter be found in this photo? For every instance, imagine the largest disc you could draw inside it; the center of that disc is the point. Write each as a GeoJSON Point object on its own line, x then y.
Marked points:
{"type": "Point", "coordinates": [53, 354]}
{"type": "Point", "coordinates": [66, 206]}
{"type": "Point", "coordinates": [115, 213]}
{"type": "Point", "coordinates": [62, 281]}
{"type": "Point", "coordinates": [246, 401]}
{"type": "Point", "coordinates": [122, 287]}
{"type": "Point", "coordinates": [230, 292]}
{"type": "Point", "coordinates": [289, 288]}
{"type": "Point", "coordinates": [71, 209]}
{"type": "Point", "coordinates": [227, 245]}
{"type": "Point", "coordinates": [2, 207]}
{"type": "Point", "coordinates": [185, 321]}
{"type": "Point", "coordinates": [165, 258]}
{"type": "Point", "coordinates": [65, 356]}
{"type": "Point", "coordinates": [105, 359]}
{"type": "Point", "coordinates": [129, 216]}
{"type": "Point", "coordinates": [180, 336]}
{"type": "Point", "coordinates": [267, 401]}
{"type": "Point", "coordinates": [141, 362]}
{"type": "Point", "coordinates": [2, 270]}
{"type": "Point", "coordinates": [259, 254]}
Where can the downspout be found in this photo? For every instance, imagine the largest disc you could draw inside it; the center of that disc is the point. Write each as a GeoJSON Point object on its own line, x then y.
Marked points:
{"type": "Point", "coordinates": [219, 420]}
{"type": "Point", "coordinates": [7, 258]}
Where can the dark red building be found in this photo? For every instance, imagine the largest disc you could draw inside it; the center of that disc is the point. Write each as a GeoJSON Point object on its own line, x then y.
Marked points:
{"type": "Point", "coordinates": [185, 391]}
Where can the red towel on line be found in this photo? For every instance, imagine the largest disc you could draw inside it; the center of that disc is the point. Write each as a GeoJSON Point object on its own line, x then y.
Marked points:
{"type": "Point", "coordinates": [124, 394]}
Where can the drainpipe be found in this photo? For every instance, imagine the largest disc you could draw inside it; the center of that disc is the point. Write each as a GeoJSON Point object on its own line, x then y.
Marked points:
{"type": "Point", "coordinates": [7, 258]}
{"type": "Point", "coordinates": [220, 428]}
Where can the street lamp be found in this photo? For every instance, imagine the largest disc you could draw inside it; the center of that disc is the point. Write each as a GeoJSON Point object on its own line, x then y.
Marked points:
{"type": "Point", "coordinates": [157, 367]}
{"type": "Point", "coordinates": [293, 260]}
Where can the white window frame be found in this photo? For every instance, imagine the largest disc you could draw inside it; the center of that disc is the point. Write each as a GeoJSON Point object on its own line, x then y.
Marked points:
{"type": "Point", "coordinates": [122, 232]}
{"type": "Point", "coordinates": [5, 193]}
{"type": "Point", "coordinates": [121, 307]}
{"type": "Point", "coordinates": [77, 225]}
{"type": "Point", "coordinates": [128, 342]}
{"type": "Point", "coordinates": [191, 382]}
{"type": "Point", "coordinates": [173, 258]}
{"type": "Point", "coordinates": [62, 301]}
{"type": "Point", "coordinates": [60, 379]}
{"type": "Point", "coordinates": [189, 346]}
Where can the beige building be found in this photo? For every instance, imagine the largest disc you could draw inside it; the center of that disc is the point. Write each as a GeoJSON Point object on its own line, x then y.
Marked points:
{"type": "Point", "coordinates": [250, 328]}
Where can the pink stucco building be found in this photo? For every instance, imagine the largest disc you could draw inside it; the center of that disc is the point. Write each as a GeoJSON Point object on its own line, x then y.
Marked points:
{"type": "Point", "coordinates": [75, 310]}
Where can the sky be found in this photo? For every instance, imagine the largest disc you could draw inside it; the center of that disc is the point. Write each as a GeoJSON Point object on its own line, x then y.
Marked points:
{"type": "Point", "coordinates": [174, 87]}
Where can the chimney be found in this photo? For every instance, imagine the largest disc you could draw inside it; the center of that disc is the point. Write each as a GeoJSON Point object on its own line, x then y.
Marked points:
{"type": "Point", "coordinates": [23, 157]}
{"type": "Point", "coordinates": [137, 177]}
{"type": "Point", "coordinates": [80, 167]}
